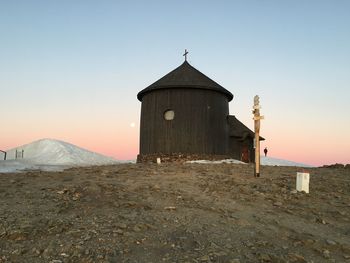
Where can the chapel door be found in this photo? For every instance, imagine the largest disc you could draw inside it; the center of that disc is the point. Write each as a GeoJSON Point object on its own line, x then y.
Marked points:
{"type": "Point", "coordinates": [245, 154]}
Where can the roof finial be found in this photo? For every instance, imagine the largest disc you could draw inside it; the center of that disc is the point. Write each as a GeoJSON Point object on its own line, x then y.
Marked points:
{"type": "Point", "coordinates": [186, 52]}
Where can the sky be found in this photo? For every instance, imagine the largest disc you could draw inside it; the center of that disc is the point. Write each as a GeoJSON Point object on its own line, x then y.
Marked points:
{"type": "Point", "coordinates": [71, 70]}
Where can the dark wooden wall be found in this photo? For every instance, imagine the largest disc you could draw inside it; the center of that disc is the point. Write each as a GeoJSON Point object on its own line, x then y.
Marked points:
{"type": "Point", "coordinates": [199, 127]}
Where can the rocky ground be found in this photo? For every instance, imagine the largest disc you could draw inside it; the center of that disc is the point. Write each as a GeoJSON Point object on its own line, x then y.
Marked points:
{"type": "Point", "coordinates": [174, 213]}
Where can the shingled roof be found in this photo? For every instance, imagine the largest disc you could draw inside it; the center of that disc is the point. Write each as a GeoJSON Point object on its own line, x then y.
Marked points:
{"type": "Point", "coordinates": [239, 130]}
{"type": "Point", "coordinates": [185, 76]}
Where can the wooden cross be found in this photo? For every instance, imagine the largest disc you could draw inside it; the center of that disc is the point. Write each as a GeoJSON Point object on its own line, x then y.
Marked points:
{"type": "Point", "coordinates": [186, 52]}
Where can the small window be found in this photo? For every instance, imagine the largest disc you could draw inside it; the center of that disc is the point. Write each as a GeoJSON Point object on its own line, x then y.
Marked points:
{"type": "Point", "coordinates": [169, 115]}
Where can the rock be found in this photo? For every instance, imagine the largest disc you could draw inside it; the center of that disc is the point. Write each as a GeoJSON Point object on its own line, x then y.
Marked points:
{"type": "Point", "coordinates": [204, 258]}
{"type": "Point", "coordinates": [118, 231]}
{"type": "Point", "coordinates": [343, 213]}
{"type": "Point", "coordinates": [249, 244]}
{"type": "Point", "coordinates": [262, 243]}
{"type": "Point", "coordinates": [277, 204]}
{"type": "Point", "coordinates": [136, 229]}
{"type": "Point", "coordinates": [297, 243]}
{"type": "Point", "coordinates": [121, 225]}
{"type": "Point", "coordinates": [17, 235]}
{"type": "Point", "coordinates": [149, 226]}
{"type": "Point", "coordinates": [326, 253]}
{"type": "Point", "coordinates": [170, 208]}
{"type": "Point", "coordinates": [264, 258]}
{"type": "Point", "coordinates": [331, 242]}
{"type": "Point", "coordinates": [130, 203]}
{"type": "Point", "coordinates": [320, 220]}
{"type": "Point", "coordinates": [296, 258]}
{"type": "Point", "coordinates": [243, 222]}
{"type": "Point", "coordinates": [36, 251]}
{"type": "Point", "coordinates": [156, 187]}
{"type": "Point", "coordinates": [308, 241]}
{"type": "Point", "coordinates": [86, 238]}
{"type": "Point", "coordinates": [61, 192]}
{"type": "Point", "coordinates": [220, 254]}
{"type": "Point", "coordinates": [47, 252]}
{"type": "Point", "coordinates": [228, 246]}
{"type": "Point", "coordinates": [80, 248]}
{"type": "Point", "coordinates": [276, 222]}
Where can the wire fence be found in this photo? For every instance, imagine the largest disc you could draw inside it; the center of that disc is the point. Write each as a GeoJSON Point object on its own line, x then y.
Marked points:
{"type": "Point", "coordinates": [19, 154]}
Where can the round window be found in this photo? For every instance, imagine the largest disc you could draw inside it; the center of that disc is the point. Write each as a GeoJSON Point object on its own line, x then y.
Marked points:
{"type": "Point", "coordinates": [169, 115]}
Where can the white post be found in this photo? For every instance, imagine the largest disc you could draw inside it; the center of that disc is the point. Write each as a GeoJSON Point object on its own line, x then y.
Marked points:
{"type": "Point", "coordinates": [303, 180]}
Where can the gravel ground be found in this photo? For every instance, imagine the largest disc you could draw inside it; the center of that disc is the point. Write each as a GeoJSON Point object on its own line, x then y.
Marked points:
{"type": "Point", "coordinates": [174, 213]}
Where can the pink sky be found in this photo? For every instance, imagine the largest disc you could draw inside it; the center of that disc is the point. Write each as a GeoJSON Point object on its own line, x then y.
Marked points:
{"type": "Point", "coordinates": [121, 141]}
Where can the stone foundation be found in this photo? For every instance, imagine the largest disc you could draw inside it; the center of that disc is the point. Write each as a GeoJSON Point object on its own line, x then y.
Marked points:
{"type": "Point", "coordinates": [178, 158]}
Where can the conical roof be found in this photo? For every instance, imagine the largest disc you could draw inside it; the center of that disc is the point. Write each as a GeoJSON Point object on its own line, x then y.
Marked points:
{"type": "Point", "coordinates": [185, 76]}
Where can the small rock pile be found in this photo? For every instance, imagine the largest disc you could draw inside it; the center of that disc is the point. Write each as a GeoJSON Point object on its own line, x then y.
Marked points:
{"type": "Point", "coordinates": [337, 166]}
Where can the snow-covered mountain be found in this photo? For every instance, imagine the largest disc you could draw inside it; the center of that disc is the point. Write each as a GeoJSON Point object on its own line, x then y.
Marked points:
{"type": "Point", "coordinates": [264, 161]}
{"type": "Point", "coordinates": [47, 153]}
{"type": "Point", "coordinates": [281, 162]}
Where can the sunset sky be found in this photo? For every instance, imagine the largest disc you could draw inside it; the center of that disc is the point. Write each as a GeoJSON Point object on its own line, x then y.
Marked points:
{"type": "Point", "coordinates": [71, 70]}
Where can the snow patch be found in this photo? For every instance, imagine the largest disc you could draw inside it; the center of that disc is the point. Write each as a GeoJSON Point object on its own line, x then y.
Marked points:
{"type": "Point", "coordinates": [216, 162]}
{"type": "Point", "coordinates": [264, 161]}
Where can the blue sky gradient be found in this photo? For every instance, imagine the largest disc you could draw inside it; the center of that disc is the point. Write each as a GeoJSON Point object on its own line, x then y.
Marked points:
{"type": "Point", "coordinates": [72, 67]}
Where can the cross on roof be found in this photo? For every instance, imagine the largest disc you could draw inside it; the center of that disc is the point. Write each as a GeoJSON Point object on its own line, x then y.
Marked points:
{"type": "Point", "coordinates": [186, 52]}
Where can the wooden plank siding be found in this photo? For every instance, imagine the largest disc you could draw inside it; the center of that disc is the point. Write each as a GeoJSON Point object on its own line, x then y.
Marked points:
{"type": "Point", "coordinates": [199, 126]}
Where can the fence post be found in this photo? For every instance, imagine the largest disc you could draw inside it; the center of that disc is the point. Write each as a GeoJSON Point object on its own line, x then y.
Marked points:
{"type": "Point", "coordinates": [5, 154]}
